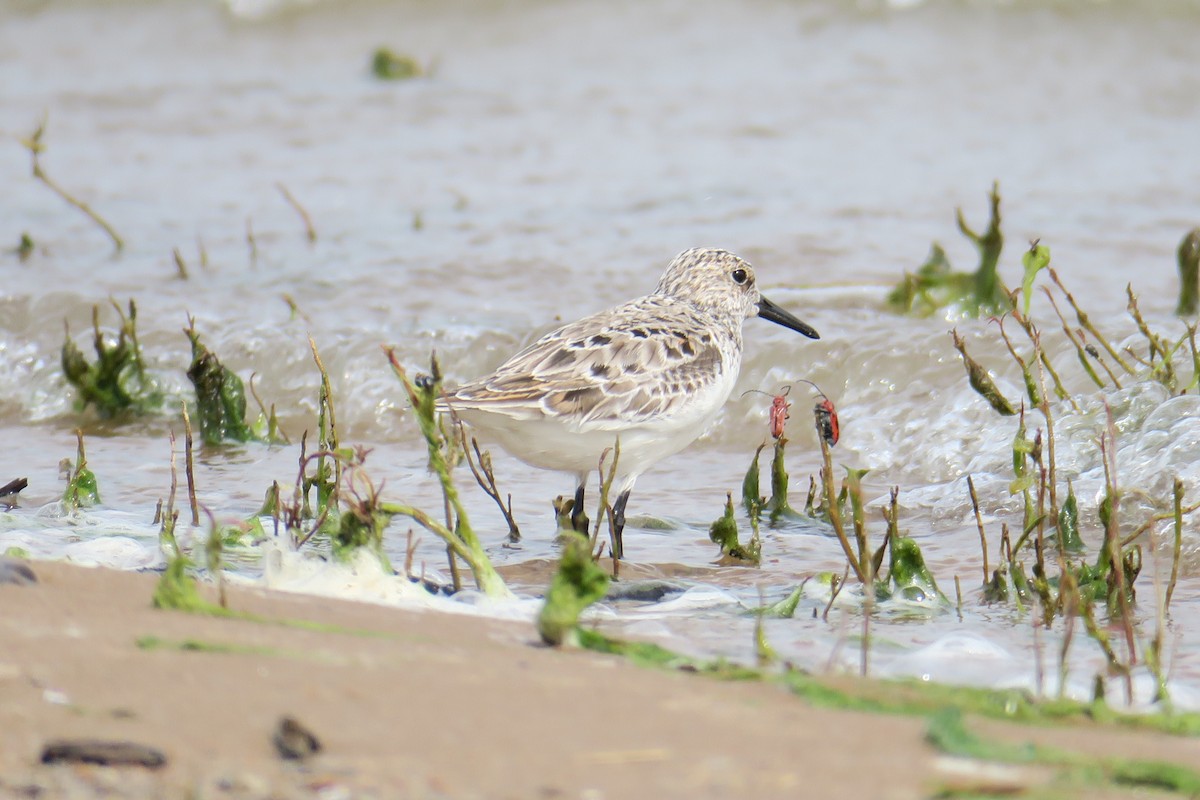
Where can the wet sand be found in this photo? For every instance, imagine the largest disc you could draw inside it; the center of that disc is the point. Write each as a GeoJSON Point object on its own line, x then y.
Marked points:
{"type": "Point", "coordinates": [416, 704]}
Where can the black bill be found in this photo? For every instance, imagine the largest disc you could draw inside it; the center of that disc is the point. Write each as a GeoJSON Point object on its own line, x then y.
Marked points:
{"type": "Point", "coordinates": [769, 311]}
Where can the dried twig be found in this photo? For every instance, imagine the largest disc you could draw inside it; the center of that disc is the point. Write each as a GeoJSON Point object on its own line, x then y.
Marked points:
{"type": "Point", "coordinates": [187, 463]}
{"type": "Point", "coordinates": [309, 230]}
{"type": "Point", "coordinates": [987, 573]}
{"type": "Point", "coordinates": [485, 476]}
{"type": "Point", "coordinates": [35, 147]}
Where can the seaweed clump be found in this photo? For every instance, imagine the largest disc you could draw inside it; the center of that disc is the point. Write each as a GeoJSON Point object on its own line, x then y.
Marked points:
{"type": "Point", "coordinates": [578, 583]}
{"type": "Point", "coordinates": [388, 65]}
{"type": "Point", "coordinates": [116, 382]}
{"type": "Point", "coordinates": [82, 489]}
{"type": "Point", "coordinates": [936, 285]}
{"type": "Point", "coordinates": [221, 399]}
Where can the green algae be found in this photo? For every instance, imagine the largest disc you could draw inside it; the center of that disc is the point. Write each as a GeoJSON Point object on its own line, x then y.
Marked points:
{"type": "Point", "coordinates": [947, 731]}
{"type": "Point", "coordinates": [82, 490]}
{"type": "Point", "coordinates": [423, 394]}
{"type": "Point", "coordinates": [936, 285]}
{"type": "Point", "coordinates": [1036, 259]}
{"type": "Point", "coordinates": [176, 590]}
{"type": "Point", "coordinates": [981, 381]}
{"type": "Point", "coordinates": [785, 608]}
{"type": "Point", "coordinates": [152, 643]}
{"type": "Point", "coordinates": [1188, 256]}
{"type": "Point", "coordinates": [25, 247]}
{"type": "Point", "coordinates": [388, 65]}
{"type": "Point", "coordinates": [908, 697]}
{"type": "Point", "coordinates": [220, 395]}
{"type": "Point", "coordinates": [724, 533]}
{"type": "Point", "coordinates": [116, 383]}
{"type": "Point", "coordinates": [578, 583]}
{"type": "Point", "coordinates": [908, 577]}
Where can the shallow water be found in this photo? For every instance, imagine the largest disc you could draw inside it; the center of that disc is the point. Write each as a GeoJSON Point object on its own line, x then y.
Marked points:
{"type": "Point", "coordinates": [538, 174]}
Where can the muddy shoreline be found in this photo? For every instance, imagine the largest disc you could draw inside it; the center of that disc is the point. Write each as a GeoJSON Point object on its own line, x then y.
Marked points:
{"type": "Point", "coordinates": [420, 704]}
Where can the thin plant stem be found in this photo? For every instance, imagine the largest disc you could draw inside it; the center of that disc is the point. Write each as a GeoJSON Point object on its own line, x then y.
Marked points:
{"type": "Point", "coordinates": [485, 476]}
{"type": "Point", "coordinates": [35, 147]}
{"type": "Point", "coordinates": [835, 514]}
{"type": "Point", "coordinates": [1111, 542]}
{"type": "Point", "coordinates": [310, 232]}
{"type": "Point", "coordinates": [180, 265]}
{"type": "Point", "coordinates": [1068, 594]}
{"type": "Point", "coordinates": [605, 511]}
{"type": "Point", "coordinates": [987, 573]}
{"type": "Point", "coordinates": [1080, 352]}
{"type": "Point", "coordinates": [188, 469]}
{"type": "Point", "coordinates": [834, 590]}
{"type": "Point", "coordinates": [1140, 530]}
{"type": "Point", "coordinates": [1087, 324]}
{"type": "Point", "coordinates": [251, 242]}
{"type": "Point", "coordinates": [1177, 550]}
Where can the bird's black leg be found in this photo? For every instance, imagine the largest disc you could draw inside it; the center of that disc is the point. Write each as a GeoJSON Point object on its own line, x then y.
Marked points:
{"type": "Point", "coordinates": [618, 547]}
{"type": "Point", "coordinates": [579, 519]}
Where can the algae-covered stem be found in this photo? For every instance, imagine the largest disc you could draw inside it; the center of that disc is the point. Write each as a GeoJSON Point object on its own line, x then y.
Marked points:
{"type": "Point", "coordinates": [1080, 350]}
{"type": "Point", "coordinates": [835, 514]}
{"type": "Point", "coordinates": [187, 465]}
{"type": "Point", "coordinates": [35, 147]}
{"type": "Point", "coordinates": [1084, 321]}
{"type": "Point", "coordinates": [1035, 337]}
{"type": "Point", "coordinates": [1157, 346]}
{"type": "Point", "coordinates": [180, 265]}
{"type": "Point", "coordinates": [323, 508]}
{"type": "Point", "coordinates": [1068, 593]}
{"type": "Point", "coordinates": [980, 381]}
{"type": "Point", "coordinates": [213, 551]}
{"type": "Point", "coordinates": [1188, 256]}
{"type": "Point", "coordinates": [462, 540]}
{"type": "Point", "coordinates": [605, 510]}
{"type": "Point", "coordinates": [327, 439]}
{"type": "Point", "coordinates": [170, 515]}
{"type": "Point", "coordinates": [1177, 550]}
{"type": "Point", "coordinates": [1112, 545]}
{"type": "Point", "coordinates": [1031, 386]}
{"type": "Point", "coordinates": [1049, 473]}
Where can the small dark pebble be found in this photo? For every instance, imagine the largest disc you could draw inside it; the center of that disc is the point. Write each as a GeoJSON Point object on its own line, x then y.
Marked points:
{"type": "Point", "coordinates": [293, 741]}
{"type": "Point", "coordinates": [642, 591]}
{"type": "Point", "coordinates": [103, 753]}
{"type": "Point", "coordinates": [16, 572]}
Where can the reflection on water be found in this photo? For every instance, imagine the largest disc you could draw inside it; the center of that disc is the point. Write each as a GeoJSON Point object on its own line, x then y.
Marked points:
{"type": "Point", "coordinates": [537, 175]}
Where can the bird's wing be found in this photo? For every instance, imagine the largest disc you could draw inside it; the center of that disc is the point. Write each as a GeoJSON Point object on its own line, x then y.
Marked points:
{"type": "Point", "coordinates": [613, 369]}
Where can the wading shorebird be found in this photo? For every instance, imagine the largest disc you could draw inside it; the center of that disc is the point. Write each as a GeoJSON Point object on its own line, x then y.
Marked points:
{"type": "Point", "coordinates": [651, 374]}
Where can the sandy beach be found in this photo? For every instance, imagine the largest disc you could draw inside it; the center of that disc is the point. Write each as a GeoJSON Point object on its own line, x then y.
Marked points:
{"type": "Point", "coordinates": [418, 704]}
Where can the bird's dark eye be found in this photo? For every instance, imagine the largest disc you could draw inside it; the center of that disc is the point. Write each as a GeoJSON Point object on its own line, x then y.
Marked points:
{"type": "Point", "coordinates": [740, 275]}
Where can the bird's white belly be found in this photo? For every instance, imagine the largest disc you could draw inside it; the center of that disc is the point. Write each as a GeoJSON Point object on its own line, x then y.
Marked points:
{"type": "Point", "coordinates": [560, 443]}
